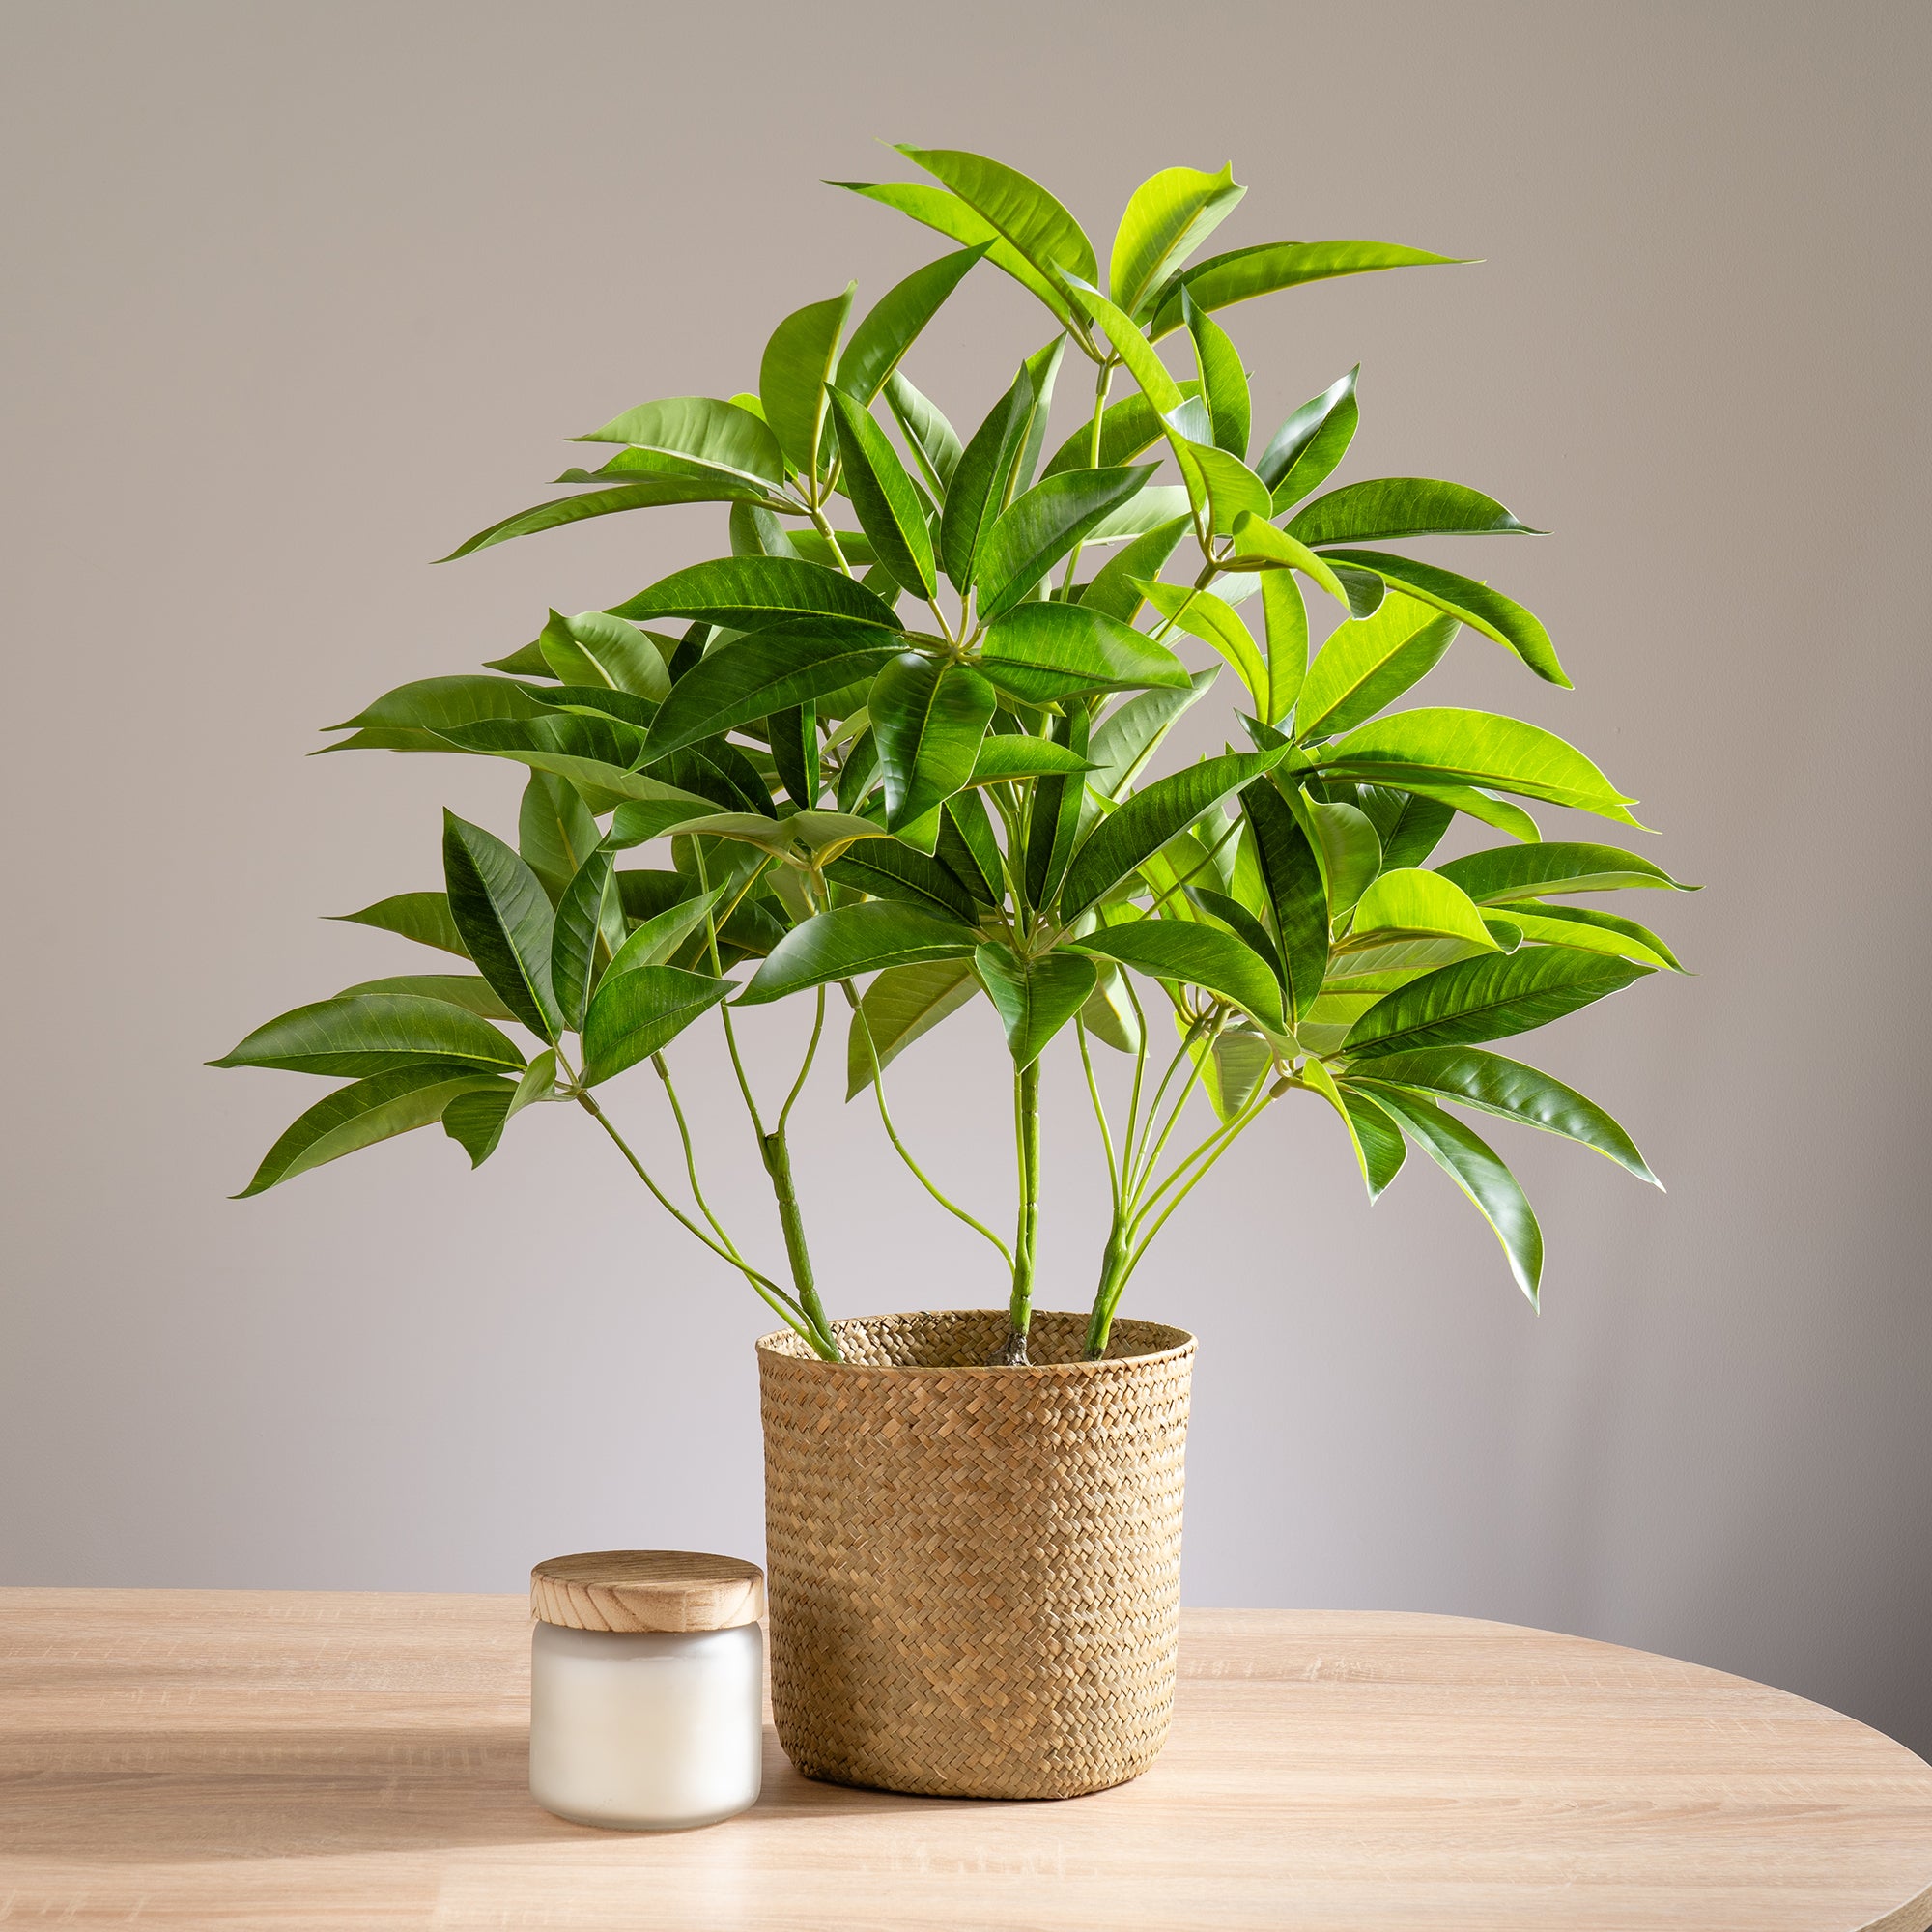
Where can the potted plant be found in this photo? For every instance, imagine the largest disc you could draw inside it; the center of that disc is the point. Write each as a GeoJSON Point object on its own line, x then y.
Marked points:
{"type": "Point", "coordinates": [897, 748]}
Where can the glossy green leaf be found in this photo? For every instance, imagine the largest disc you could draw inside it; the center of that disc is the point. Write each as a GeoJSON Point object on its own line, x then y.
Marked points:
{"type": "Point", "coordinates": [1004, 759]}
{"type": "Point", "coordinates": [649, 492]}
{"type": "Point", "coordinates": [1350, 852]}
{"type": "Point", "coordinates": [942, 209]}
{"type": "Point", "coordinates": [1204, 615]}
{"type": "Point", "coordinates": [1637, 941]}
{"type": "Point", "coordinates": [884, 495]}
{"type": "Point", "coordinates": [357, 1116]}
{"type": "Point", "coordinates": [504, 916]}
{"type": "Point", "coordinates": [1481, 805]}
{"type": "Point", "coordinates": [1414, 829]}
{"type": "Point", "coordinates": [475, 1121]}
{"type": "Point", "coordinates": [1127, 738]}
{"type": "Point", "coordinates": [1141, 827]}
{"type": "Point", "coordinates": [976, 493]}
{"type": "Point", "coordinates": [850, 940]}
{"type": "Point", "coordinates": [1408, 903]}
{"type": "Point", "coordinates": [1127, 427]}
{"type": "Point", "coordinates": [1245, 273]}
{"type": "Point", "coordinates": [933, 441]}
{"type": "Point", "coordinates": [423, 917]}
{"type": "Point", "coordinates": [1224, 384]}
{"type": "Point", "coordinates": [722, 434]}
{"type": "Point", "coordinates": [1243, 923]}
{"type": "Point", "coordinates": [1306, 448]}
{"type": "Point", "coordinates": [1474, 1166]}
{"type": "Point", "coordinates": [1109, 1013]}
{"type": "Point", "coordinates": [1034, 998]}
{"type": "Point", "coordinates": [894, 322]}
{"type": "Point", "coordinates": [1045, 652]}
{"type": "Point", "coordinates": [1053, 828]}
{"type": "Point", "coordinates": [796, 366]}
{"type": "Point", "coordinates": [655, 941]}
{"type": "Point", "coordinates": [1507, 1087]}
{"type": "Point", "coordinates": [902, 1003]}
{"type": "Point", "coordinates": [468, 990]}
{"type": "Point", "coordinates": [1233, 1063]}
{"type": "Point", "coordinates": [889, 869]}
{"type": "Point", "coordinates": [1509, 872]}
{"type": "Point", "coordinates": [1114, 591]}
{"type": "Point", "coordinates": [1475, 748]}
{"type": "Point", "coordinates": [761, 673]}
{"type": "Point", "coordinates": [929, 718]}
{"type": "Point", "coordinates": [1016, 206]}
{"type": "Point", "coordinates": [1040, 529]}
{"type": "Point", "coordinates": [1402, 506]}
{"type": "Point", "coordinates": [1370, 662]}
{"type": "Point", "coordinates": [1488, 999]}
{"type": "Point", "coordinates": [1259, 546]}
{"type": "Point", "coordinates": [968, 849]}
{"type": "Point", "coordinates": [556, 832]}
{"type": "Point", "coordinates": [594, 648]}
{"type": "Point", "coordinates": [1286, 621]}
{"type": "Point", "coordinates": [637, 1013]}
{"type": "Point", "coordinates": [1475, 604]}
{"type": "Point", "coordinates": [434, 704]}
{"type": "Point", "coordinates": [1291, 883]}
{"type": "Point", "coordinates": [1169, 216]}
{"type": "Point", "coordinates": [1380, 1148]}
{"type": "Point", "coordinates": [375, 1033]}
{"type": "Point", "coordinates": [744, 592]}
{"type": "Point", "coordinates": [1197, 955]}
{"type": "Point", "coordinates": [1222, 486]}
{"type": "Point", "coordinates": [1135, 351]}
{"type": "Point", "coordinates": [578, 927]}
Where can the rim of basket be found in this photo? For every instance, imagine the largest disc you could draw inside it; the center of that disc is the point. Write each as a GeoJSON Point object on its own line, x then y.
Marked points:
{"type": "Point", "coordinates": [781, 1344]}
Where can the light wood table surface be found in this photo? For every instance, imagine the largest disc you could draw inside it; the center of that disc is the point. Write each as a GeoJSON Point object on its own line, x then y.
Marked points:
{"type": "Point", "coordinates": [238, 1759]}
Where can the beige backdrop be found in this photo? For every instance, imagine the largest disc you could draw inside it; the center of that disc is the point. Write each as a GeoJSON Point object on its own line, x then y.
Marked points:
{"type": "Point", "coordinates": [299, 295]}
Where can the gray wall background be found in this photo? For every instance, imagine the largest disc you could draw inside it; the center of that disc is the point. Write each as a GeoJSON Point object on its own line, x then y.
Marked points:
{"type": "Point", "coordinates": [300, 296]}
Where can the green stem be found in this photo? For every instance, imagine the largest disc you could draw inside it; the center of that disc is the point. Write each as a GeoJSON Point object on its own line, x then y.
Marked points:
{"type": "Point", "coordinates": [690, 1152]}
{"type": "Point", "coordinates": [1026, 1139]}
{"type": "Point", "coordinates": [822, 523]}
{"type": "Point", "coordinates": [1102, 382]}
{"type": "Point", "coordinates": [778, 1164]}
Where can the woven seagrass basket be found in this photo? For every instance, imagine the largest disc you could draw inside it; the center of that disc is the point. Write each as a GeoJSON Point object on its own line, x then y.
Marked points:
{"type": "Point", "coordinates": [974, 1571]}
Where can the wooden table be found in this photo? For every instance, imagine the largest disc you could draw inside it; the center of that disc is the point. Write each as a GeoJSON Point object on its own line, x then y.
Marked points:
{"type": "Point", "coordinates": [238, 1759]}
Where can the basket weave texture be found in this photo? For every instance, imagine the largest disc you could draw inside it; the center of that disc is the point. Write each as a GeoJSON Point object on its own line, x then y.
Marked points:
{"type": "Point", "coordinates": [974, 1572]}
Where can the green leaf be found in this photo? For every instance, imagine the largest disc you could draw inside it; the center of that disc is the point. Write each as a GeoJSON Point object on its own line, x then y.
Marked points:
{"type": "Point", "coordinates": [656, 939]}
{"type": "Point", "coordinates": [649, 494]}
{"type": "Point", "coordinates": [1475, 604]}
{"type": "Point", "coordinates": [1126, 740]}
{"type": "Point", "coordinates": [1292, 882]}
{"type": "Point", "coordinates": [1169, 216]}
{"type": "Point", "coordinates": [1237, 918]}
{"type": "Point", "coordinates": [1198, 956]}
{"type": "Point", "coordinates": [423, 917]}
{"type": "Point", "coordinates": [1475, 748]}
{"type": "Point", "coordinates": [968, 849]}
{"type": "Point", "coordinates": [433, 704]}
{"type": "Point", "coordinates": [637, 822]}
{"type": "Point", "coordinates": [1286, 619]}
{"type": "Point", "coordinates": [762, 673]}
{"type": "Point", "coordinates": [1005, 758]}
{"type": "Point", "coordinates": [933, 441]}
{"type": "Point", "coordinates": [884, 495]}
{"type": "Point", "coordinates": [792, 376]}
{"type": "Point", "coordinates": [1222, 485]}
{"type": "Point", "coordinates": [1488, 999]}
{"type": "Point", "coordinates": [1141, 827]}
{"type": "Point", "coordinates": [1414, 829]}
{"type": "Point", "coordinates": [1481, 805]}
{"type": "Point", "coordinates": [1034, 998]}
{"type": "Point", "coordinates": [466, 990]}
{"type": "Point", "coordinates": [950, 216]}
{"type": "Point", "coordinates": [902, 1002]}
{"type": "Point", "coordinates": [637, 1013]}
{"type": "Point", "coordinates": [1512, 1091]}
{"type": "Point", "coordinates": [1109, 1013]}
{"type": "Point", "coordinates": [1045, 652]}
{"type": "Point", "coordinates": [723, 434]}
{"type": "Point", "coordinates": [1016, 206]}
{"type": "Point", "coordinates": [1204, 615]}
{"type": "Point", "coordinates": [1369, 662]}
{"type": "Point", "coordinates": [929, 718]}
{"type": "Point", "coordinates": [1127, 427]}
{"type": "Point", "coordinates": [1041, 527]}
{"type": "Point", "coordinates": [744, 592]}
{"type": "Point", "coordinates": [1352, 853]}
{"type": "Point", "coordinates": [1380, 1149]}
{"type": "Point", "coordinates": [1509, 872]}
{"type": "Point", "coordinates": [1224, 384]}
{"type": "Point", "coordinates": [578, 926]}
{"type": "Point", "coordinates": [475, 1121]}
{"type": "Point", "coordinates": [855, 939]}
{"type": "Point", "coordinates": [1135, 351]}
{"type": "Point", "coordinates": [556, 832]}
{"type": "Point", "coordinates": [977, 492]}
{"type": "Point", "coordinates": [594, 648]}
{"type": "Point", "coordinates": [1153, 508]}
{"type": "Point", "coordinates": [1264, 548]}
{"type": "Point", "coordinates": [1309, 444]}
{"type": "Point", "coordinates": [1245, 273]}
{"type": "Point", "coordinates": [357, 1116]}
{"type": "Point", "coordinates": [1114, 591]}
{"type": "Point", "coordinates": [1053, 828]}
{"type": "Point", "coordinates": [1474, 1165]}
{"type": "Point", "coordinates": [1635, 942]}
{"type": "Point", "coordinates": [891, 870]}
{"type": "Point", "coordinates": [375, 1033]}
{"type": "Point", "coordinates": [894, 322]}
{"type": "Point", "coordinates": [1402, 506]}
{"type": "Point", "coordinates": [504, 917]}
{"type": "Point", "coordinates": [1408, 905]}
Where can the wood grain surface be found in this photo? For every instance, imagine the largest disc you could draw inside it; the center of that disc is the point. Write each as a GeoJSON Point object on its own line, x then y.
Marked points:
{"type": "Point", "coordinates": [257, 1759]}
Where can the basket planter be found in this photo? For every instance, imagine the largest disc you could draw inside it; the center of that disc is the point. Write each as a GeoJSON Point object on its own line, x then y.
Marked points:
{"type": "Point", "coordinates": [974, 1572]}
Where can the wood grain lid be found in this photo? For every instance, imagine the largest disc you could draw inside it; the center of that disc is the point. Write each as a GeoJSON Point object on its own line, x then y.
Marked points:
{"type": "Point", "coordinates": [647, 1590]}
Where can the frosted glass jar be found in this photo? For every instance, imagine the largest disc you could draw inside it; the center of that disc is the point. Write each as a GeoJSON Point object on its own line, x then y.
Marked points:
{"type": "Point", "coordinates": [647, 1688]}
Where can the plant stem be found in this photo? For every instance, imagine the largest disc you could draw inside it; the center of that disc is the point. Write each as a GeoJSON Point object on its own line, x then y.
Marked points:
{"type": "Point", "coordinates": [1102, 382]}
{"type": "Point", "coordinates": [822, 523]}
{"type": "Point", "coordinates": [1026, 1138]}
{"type": "Point", "coordinates": [690, 1152]}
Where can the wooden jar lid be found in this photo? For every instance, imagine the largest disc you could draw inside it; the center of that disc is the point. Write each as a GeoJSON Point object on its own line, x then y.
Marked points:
{"type": "Point", "coordinates": [647, 1590]}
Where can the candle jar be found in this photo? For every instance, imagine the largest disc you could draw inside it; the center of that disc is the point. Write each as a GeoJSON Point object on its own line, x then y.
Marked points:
{"type": "Point", "coordinates": [647, 1688]}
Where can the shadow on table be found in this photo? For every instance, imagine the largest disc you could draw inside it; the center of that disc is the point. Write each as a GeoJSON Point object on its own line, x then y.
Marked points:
{"type": "Point", "coordinates": [186, 1797]}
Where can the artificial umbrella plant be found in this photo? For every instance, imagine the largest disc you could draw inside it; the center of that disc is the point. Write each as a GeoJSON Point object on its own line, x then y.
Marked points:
{"type": "Point", "coordinates": [901, 739]}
